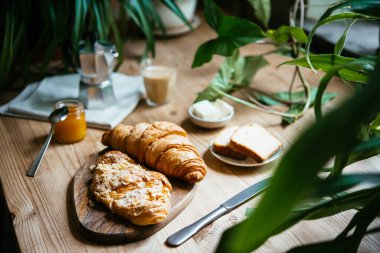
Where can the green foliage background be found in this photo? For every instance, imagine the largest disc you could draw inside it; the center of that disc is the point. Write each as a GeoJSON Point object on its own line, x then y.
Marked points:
{"type": "Point", "coordinates": [299, 190]}
{"type": "Point", "coordinates": [35, 31]}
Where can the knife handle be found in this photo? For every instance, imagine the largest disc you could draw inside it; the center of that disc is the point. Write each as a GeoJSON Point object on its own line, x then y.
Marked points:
{"type": "Point", "coordinates": [184, 234]}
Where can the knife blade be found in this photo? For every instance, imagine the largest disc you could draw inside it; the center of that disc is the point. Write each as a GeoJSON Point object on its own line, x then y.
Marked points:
{"type": "Point", "coordinates": [184, 234]}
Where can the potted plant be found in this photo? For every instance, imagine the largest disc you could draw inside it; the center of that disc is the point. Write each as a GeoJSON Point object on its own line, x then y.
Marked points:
{"type": "Point", "coordinates": [170, 19]}
{"type": "Point", "coordinates": [348, 134]}
{"type": "Point", "coordinates": [36, 31]}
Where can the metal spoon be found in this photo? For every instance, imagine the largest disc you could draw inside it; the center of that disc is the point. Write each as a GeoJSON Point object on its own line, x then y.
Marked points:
{"type": "Point", "coordinates": [55, 117]}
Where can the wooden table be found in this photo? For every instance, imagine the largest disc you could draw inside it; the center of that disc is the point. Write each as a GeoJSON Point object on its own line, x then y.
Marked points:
{"type": "Point", "coordinates": [40, 205]}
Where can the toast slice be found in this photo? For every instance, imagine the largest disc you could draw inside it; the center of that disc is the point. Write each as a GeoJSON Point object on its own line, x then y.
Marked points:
{"type": "Point", "coordinates": [222, 145]}
{"type": "Point", "coordinates": [253, 140]}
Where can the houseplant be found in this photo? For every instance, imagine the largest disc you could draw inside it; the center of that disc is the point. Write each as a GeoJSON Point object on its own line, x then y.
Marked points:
{"type": "Point", "coordinates": [170, 19]}
{"type": "Point", "coordinates": [36, 32]}
{"type": "Point", "coordinates": [348, 134]}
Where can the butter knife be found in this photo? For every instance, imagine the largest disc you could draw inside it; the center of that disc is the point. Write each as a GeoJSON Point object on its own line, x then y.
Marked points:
{"type": "Point", "coordinates": [184, 234]}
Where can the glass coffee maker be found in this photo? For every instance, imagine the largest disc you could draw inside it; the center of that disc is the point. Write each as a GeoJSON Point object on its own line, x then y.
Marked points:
{"type": "Point", "coordinates": [95, 63]}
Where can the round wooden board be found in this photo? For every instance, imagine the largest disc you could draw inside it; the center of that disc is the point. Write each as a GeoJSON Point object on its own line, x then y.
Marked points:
{"type": "Point", "coordinates": [97, 223]}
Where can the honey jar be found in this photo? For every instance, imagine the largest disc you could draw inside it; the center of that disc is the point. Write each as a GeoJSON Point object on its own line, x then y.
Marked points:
{"type": "Point", "coordinates": [74, 127]}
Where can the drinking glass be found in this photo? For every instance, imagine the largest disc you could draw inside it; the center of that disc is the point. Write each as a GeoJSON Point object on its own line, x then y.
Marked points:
{"type": "Point", "coordinates": [159, 80]}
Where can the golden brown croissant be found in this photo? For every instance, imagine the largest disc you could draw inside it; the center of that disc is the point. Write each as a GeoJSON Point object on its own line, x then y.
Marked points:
{"type": "Point", "coordinates": [130, 190]}
{"type": "Point", "coordinates": [162, 146]}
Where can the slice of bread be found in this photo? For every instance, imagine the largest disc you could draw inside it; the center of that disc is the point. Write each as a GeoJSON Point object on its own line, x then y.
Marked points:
{"type": "Point", "coordinates": [253, 140]}
{"type": "Point", "coordinates": [222, 144]}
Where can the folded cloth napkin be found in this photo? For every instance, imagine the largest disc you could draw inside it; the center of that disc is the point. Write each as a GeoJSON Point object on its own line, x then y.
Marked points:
{"type": "Point", "coordinates": [37, 100]}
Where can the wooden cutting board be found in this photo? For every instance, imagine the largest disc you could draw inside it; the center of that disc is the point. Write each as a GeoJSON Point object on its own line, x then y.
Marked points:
{"type": "Point", "coordinates": [97, 223]}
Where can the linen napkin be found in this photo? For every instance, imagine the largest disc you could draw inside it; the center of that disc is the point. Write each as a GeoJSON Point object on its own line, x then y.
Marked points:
{"type": "Point", "coordinates": [37, 100]}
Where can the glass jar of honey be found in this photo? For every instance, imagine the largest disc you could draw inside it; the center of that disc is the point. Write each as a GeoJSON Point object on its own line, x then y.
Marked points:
{"type": "Point", "coordinates": [74, 127]}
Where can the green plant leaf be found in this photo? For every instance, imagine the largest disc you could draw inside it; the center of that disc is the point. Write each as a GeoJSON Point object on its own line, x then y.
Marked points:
{"type": "Point", "coordinates": [346, 244]}
{"type": "Point", "coordinates": [298, 34]}
{"type": "Point", "coordinates": [280, 35]}
{"type": "Point", "coordinates": [102, 23]}
{"type": "Point", "coordinates": [297, 108]}
{"type": "Point", "coordinates": [213, 14]}
{"type": "Point", "coordinates": [363, 218]}
{"type": "Point", "coordinates": [81, 9]}
{"type": "Point", "coordinates": [343, 242]}
{"type": "Point", "coordinates": [359, 9]}
{"type": "Point", "coordinates": [293, 109]}
{"type": "Point", "coordinates": [262, 10]}
{"type": "Point", "coordinates": [321, 89]}
{"type": "Point", "coordinates": [364, 150]}
{"type": "Point", "coordinates": [342, 40]}
{"type": "Point", "coordinates": [232, 33]}
{"type": "Point", "coordinates": [317, 208]}
{"type": "Point", "coordinates": [300, 96]}
{"type": "Point", "coordinates": [136, 9]}
{"type": "Point", "coordinates": [369, 8]}
{"type": "Point", "coordinates": [375, 126]}
{"type": "Point", "coordinates": [54, 17]}
{"type": "Point", "coordinates": [118, 41]}
{"type": "Point", "coordinates": [332, 186]}
{"type": "Point", "coordinates": [222, 46]}
{"type": "Point", "coordinates": [284, 51]}
{"type": "Point", "coordinates": [235, 73]}
{"type": "Point", "coordinates": [350, 69]}
{"type": "Point", "coordinates": [335, 70]}
{"type": "Point", "coordinates": [171, 4]}
{"type": "Point", "coordinates": [267, 100]}
{"type": "Point", "coordinates": [285, 33]}
{"type": "Point", "coordinates": [329, 137]}
{"type": "Point", "coordinates": [155, 16]}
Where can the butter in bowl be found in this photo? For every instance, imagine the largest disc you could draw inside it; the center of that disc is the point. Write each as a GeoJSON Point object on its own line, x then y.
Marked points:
{"type": "Point", "coordinates": [209, 114]}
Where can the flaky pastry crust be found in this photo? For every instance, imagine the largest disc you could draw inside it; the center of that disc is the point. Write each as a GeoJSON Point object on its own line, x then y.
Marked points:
{"type": "Point", "coordinates": [130, 190]}
{"type": "Point", "coordinates": [162, 146]}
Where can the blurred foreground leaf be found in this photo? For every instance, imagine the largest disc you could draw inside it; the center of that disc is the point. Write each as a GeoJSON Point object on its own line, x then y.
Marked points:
{"type": "Point", "coordinates": [304, 160]}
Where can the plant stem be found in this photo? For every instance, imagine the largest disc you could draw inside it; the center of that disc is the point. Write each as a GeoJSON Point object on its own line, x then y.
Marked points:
{"type": "Point", "coordinates": [292, 84]}
{"type": "Point", "coordinates": [254, 100]}
{"type": "Point", "coordinates": [306, 87]}
{"type": "Point", "coordinates": [284, 102]}
{"type": "Point", "coordinates": [246, 103]}
{"type": "Point", "coordinates": [295, 47]}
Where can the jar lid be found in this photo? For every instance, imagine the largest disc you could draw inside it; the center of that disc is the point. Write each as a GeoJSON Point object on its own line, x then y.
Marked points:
{"type": "Point", "coordinates": [75, 106]}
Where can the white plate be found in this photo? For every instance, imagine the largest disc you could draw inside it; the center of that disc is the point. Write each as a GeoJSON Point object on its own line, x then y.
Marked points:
{"type": "Point", "coordinates": [179, 30]}
{"type": "Point", "coordinates": [248, 162]}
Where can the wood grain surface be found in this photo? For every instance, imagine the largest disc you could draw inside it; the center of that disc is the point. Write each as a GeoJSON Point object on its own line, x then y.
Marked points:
{"type": "Point", "coordinates": [41, 206]}
{"type": "Point", "coordinates": [96, 221]}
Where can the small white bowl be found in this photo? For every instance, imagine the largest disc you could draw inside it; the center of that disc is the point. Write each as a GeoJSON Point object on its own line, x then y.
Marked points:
{"type": "Point", "coordinates": [209, 123]}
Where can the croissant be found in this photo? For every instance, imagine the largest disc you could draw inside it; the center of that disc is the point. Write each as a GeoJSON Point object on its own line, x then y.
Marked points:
{"type": "Point", "coordinates": [162, 146]}
{"type": "Point", "coordinates": [130, 190]}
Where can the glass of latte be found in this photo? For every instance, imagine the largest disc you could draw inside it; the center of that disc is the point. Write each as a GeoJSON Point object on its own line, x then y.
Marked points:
{"type": "Point", "coordinates": [159, 80]}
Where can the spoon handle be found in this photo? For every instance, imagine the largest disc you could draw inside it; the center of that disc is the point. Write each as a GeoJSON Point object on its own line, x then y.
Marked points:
{"type": "Point", "coordinates": [36, 164]}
